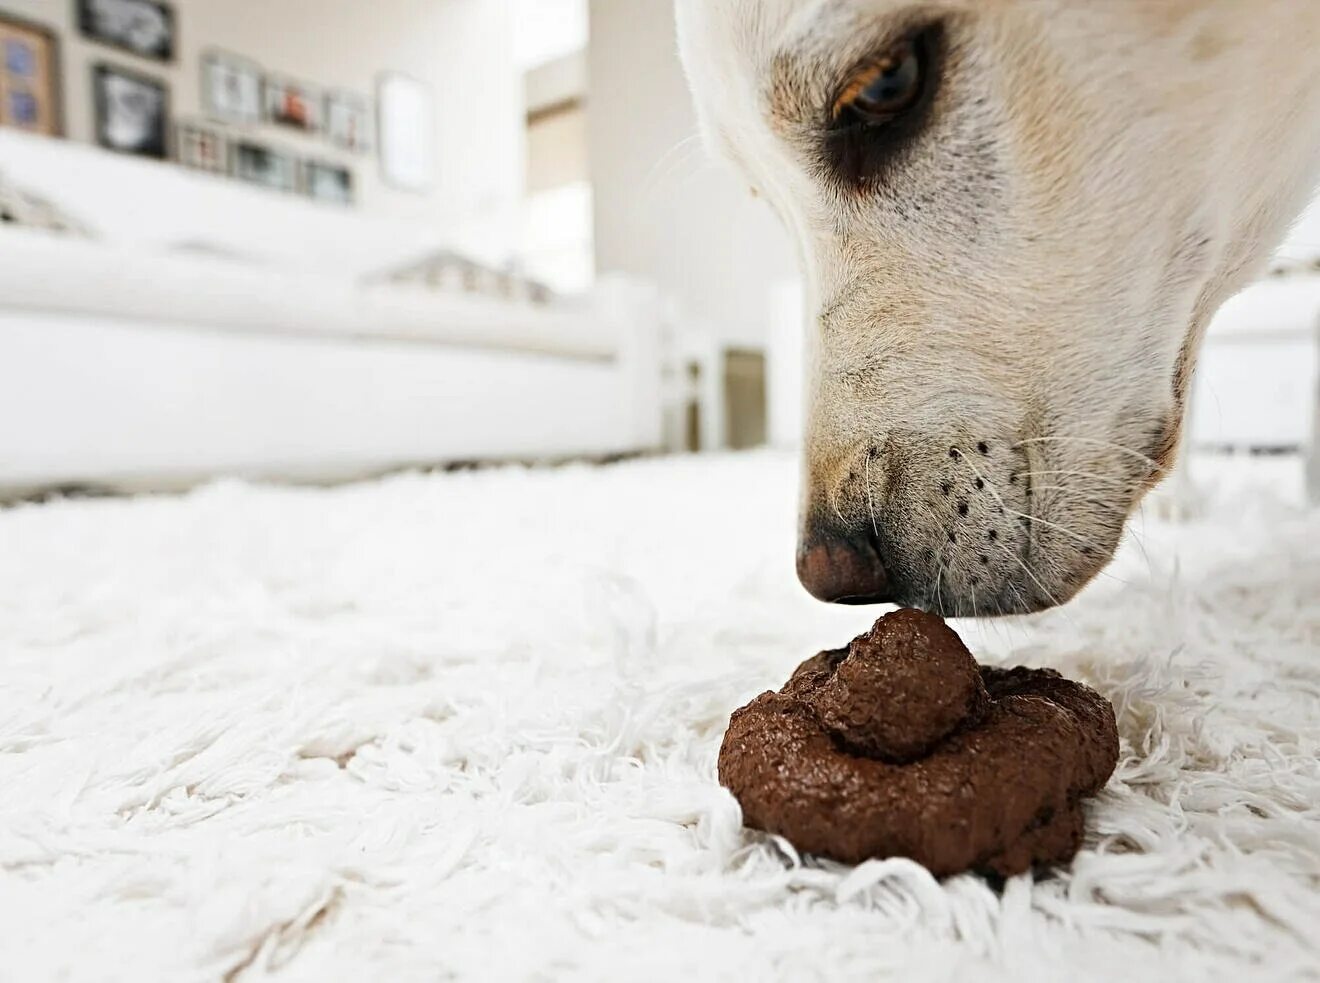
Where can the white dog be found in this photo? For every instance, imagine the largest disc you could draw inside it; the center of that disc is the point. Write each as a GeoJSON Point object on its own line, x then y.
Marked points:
{"type": "Point", "coordinates": [1016, 218]}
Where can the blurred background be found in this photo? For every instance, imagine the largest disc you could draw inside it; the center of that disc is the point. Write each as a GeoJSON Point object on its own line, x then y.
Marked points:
{"type": "Point", "coordinates": [317, 240]}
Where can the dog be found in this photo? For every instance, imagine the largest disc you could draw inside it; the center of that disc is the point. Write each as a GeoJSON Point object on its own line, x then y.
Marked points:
{"type": "Point", "coordinates": [1015, 220]}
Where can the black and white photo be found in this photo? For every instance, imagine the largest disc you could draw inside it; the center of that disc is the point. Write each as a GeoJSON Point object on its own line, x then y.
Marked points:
{"type": "Point", "coordinates": [328, 182]}
{"type": "Point", "coordinates": [132, 112]}
{"type": "Point", "coordinates": [262, 165]}
{"type": "Point", "coordinates": [144, 27]}
{"type": "Point", "coordinates": [231, 87]}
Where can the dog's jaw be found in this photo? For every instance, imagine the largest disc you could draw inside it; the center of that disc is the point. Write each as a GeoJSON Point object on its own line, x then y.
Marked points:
{"type": "Point", "coordinates": [1032, 273]}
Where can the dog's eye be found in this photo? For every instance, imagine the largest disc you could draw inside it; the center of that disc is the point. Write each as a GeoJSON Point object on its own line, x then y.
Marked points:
{"type": "Point", "coordinates": [886, 87]}
{"type": "Point", "coordinates": [882, 108]}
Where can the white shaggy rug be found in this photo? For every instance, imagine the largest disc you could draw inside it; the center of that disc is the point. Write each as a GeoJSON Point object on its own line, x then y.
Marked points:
{"type": "Point", "coordinates": [464, 726]}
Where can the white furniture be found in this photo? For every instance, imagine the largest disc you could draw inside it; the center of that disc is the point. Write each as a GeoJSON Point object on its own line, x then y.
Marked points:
{"type": "Point", "coordinates": [1257, 373]}
{"type": "Point", "coordinates": [216, 329]}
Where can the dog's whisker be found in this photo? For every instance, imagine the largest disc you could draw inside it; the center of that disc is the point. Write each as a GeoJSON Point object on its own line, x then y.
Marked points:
{"type": "Point", "coordinates": [1024, 607]}
{"type": "Point", "coordinates": [1088, 495]}
{"type": "Point", "coordinates": [990, 485]}
{"type": "Point", "coordinates": [1037, 520]}
{"type": "Point", "coordinates": [994, 491]}
{"type": "Point", "coordinates": [1036, 580]}
{"type": "Point", "coordinates": [1138, 540]}
{"type": "Point", "coordinates": [870, 499]}
{"type": "Point", "coordinates": [1111, 479]}
{"type": "Point", "coordinates": [670, 172]}
{"type": "Point", "coordinates": [1091, 441]}
{"type": "Point", "coordinates": [674, 155]}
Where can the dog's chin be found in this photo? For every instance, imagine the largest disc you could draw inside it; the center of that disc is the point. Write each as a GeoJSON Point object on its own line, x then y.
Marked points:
{"type": "Point", "coordinates": [1030, 595]}
{"type": "Point", "coordinates": [1013, 601]}
{"type": "Point", "coordinates": [1035, 563]}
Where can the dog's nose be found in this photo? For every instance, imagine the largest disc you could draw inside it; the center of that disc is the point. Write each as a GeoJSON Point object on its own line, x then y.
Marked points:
{"type": "Point", "coordinates": [844, 571]}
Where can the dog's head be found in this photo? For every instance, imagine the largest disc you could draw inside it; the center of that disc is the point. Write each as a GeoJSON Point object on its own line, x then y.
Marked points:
{"type": "Point", "coordinates": [1014, 218]}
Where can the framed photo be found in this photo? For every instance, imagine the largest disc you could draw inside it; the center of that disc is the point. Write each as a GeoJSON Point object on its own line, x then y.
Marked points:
{"type": "Point", "coordinates": [144, 27]}
{"type": "Point", "coordinates": [328, 182]}
{"type": "Point", "coordinates": [405, 111]}
{"type": "Point", "coordinates": [348, 121]}
{"type": "Point", "coordinates": [29, 77]}
{"type": "Point", "coordinates": [231, 87]}
{"type": "Point", "coordinates": [132, 112]}
{"type": "Point", "coordinates": [202, 148]}
{"type": "Point", "coordinates": [264, 166]}
{"type": "Point", "coordinates": [293, 104]}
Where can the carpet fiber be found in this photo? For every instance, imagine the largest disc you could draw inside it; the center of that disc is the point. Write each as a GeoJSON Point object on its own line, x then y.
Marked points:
{"type": "Point", "coordinates": [465, 726]}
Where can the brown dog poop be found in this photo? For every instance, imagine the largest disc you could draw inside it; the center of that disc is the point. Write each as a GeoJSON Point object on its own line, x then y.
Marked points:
{"type": "Point", "coordinates": [902, 746]}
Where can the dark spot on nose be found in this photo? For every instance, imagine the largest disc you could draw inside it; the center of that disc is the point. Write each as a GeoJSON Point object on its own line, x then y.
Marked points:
{"type": "Point", "coordinates": [994, 534]}
{"type": "Point", "coordinates": [844, 570]}
{"type": "Point", "coordinates": [954, 453]}
{"type": "Point", "coordinates": [980, 484]}
{"type": "Point", "coordinates": [1013, 479]}
{"type": "Point", "coordinates": [953, 537]}
{"type": "Point", "coordinates": [985, 560]}
{"type": "Point", "coordinates": [964, 509]}
{"type": "Point", "coordinates": [946, 488]}
{"type": "Point", "coordinates": [983, 447]}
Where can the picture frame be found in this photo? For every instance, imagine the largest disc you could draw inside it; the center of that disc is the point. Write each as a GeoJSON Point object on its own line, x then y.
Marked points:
{"type": "Point", "coordinates": [293, 104]}
{"type": "Point", "coordinates": [202, 148]}
{"type": "Point", "coordinates": [132, 112]}
{"type": "Point", "coordinates": [405, 120]}
{"type": "Point", "coordinates": [265, 166]}
{"type": "Point", "coordinates": [232, 88]}
{"type": "Point", "coordinates": [348, 121]}
{"type": "Point", "coordinates": [145, 28]}
{"type": "Point", "coordinates": [332, 183]}
{"type": "Point", "coordinates": [30, 93]}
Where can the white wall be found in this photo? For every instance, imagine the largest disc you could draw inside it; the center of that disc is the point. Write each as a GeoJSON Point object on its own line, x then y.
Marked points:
{"type": "Point", "coordinates": [463, 49]}
{"type": "Point", "coordinates": [672, 216]}
{"type": "Point", "coordinates": [545, 30]}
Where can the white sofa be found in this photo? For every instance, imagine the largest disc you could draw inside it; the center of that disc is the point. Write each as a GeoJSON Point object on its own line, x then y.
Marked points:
{"type": "Point", "coordinates": [173, 346]}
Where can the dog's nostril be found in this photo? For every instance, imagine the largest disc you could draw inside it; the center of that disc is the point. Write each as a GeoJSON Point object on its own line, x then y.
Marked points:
{"type": "Point", "coordinates": [844, 571]}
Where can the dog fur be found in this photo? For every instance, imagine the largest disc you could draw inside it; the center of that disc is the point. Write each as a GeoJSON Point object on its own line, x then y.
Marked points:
{"type": "Point", "coordinates": [1004, 323]}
